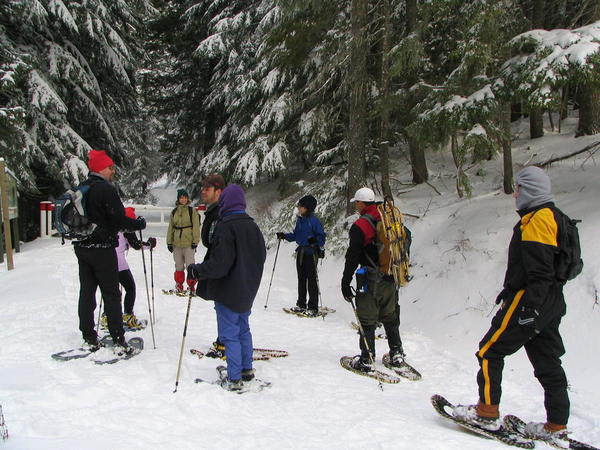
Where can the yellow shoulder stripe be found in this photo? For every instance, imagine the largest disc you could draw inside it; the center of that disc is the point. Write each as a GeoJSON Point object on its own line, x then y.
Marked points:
{"type": "Point", "coordinates": [540, 227]}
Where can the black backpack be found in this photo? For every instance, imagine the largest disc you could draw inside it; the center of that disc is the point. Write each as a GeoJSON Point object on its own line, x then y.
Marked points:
{"type": "Point", "coordinates": [70, 215]}
{"type": "Point", "coordinates": [568, 264]}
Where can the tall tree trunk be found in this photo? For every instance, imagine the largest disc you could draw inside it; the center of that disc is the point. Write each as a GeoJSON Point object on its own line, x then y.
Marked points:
{"type": "Point", "coordinates": [588, 95]}
{"type": "Point", "coordinates": [418, 162]}
{"type": "Point", "coordinates": [505, 140]}
{"type": "Point", "coordinates": [459, 165]}
{"type": "Point", "coordinates": [384, 93]}
{"type": "Point", "coordinates": [536, 115]}
{"type": "Point", "coordinates": [358, 100]}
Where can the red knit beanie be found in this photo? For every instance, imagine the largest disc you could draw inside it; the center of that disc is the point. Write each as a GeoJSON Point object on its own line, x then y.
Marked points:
{"type": "Point", "coordinates": [130, 212]}
{"type": "Point", "coordinates": [99, 160]}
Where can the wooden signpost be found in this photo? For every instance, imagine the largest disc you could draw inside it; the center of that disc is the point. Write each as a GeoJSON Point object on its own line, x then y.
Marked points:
{"type": "Point", "coordinates": [6, 215]}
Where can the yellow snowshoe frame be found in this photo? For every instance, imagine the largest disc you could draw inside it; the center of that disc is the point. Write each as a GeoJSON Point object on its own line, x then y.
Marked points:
{"type": "Point", "coordinates": [393, 236]}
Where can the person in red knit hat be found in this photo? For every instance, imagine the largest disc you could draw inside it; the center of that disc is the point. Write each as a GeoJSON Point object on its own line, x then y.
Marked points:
{"type": "Point", "coordinates": [96, 254]}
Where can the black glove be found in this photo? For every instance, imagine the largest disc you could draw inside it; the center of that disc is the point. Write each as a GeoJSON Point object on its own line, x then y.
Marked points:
{"type": "Point", "coordinates": [152, 242]}
{"type": "Point", "coordinates": [170, 247]}
{"type": "Point", "coordinates": [501, 296]}
{"type": "Point", "coordinates": [528, 318]}
{"type": "Point", "coordinates": [280, 235]}
{"type": "Point", "coordinates": [191, 273]}
{"type": "Point", "coordinates": [312, 240]}
{"type": "Point", "coordinates": [141, 223]}
{"type": "Point", "coordinates": [194, 246]}
{"type": "Point", "coordinates": [347, 292]}
{"type": "Point", "coordinates": [321, 253]}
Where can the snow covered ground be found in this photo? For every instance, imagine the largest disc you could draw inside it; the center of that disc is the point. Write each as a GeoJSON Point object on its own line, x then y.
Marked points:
{"type": "Point", "coordinates": [459, 253]}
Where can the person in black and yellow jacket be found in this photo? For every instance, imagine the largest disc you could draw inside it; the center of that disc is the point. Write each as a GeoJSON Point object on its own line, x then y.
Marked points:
{"type": "Point", "coordinates": [530, 315]}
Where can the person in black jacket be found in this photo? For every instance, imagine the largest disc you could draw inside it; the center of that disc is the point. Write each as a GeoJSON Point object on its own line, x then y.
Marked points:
{"type": "Point", "coordinates": [530, 315]}
{"type": "Point", "coordinates": [231, 277]}
{"type": "Point", "coordinates": [96, 255]}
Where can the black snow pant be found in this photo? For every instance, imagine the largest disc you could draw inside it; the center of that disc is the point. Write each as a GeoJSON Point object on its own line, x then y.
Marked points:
{"type": "Point", "coordinates": [544, 350]}
{"type": "Point", "coordinates": [98, 268]}
{"type": "Point", "coordinates": [306, 266]}
{"type": "Point", "coordinates": [128, 283]}
{"type": "Point", "coordinates": [382, 307]}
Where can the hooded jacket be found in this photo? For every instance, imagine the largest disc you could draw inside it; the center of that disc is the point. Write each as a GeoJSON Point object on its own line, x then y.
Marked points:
{"type": "Point", "coordinates": [233, 273]}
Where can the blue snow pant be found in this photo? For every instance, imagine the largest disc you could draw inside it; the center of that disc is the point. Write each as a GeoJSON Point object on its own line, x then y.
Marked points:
{"type": "Point", "coordinates": [234, 333]}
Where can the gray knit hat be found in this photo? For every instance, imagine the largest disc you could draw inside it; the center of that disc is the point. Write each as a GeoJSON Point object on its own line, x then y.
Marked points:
{"type": "Point", "coordinates": [534, 188]}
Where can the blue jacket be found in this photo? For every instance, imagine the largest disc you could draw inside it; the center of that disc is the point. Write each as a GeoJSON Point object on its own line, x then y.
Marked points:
{"type": "Point", "coordinates": [306, 227]}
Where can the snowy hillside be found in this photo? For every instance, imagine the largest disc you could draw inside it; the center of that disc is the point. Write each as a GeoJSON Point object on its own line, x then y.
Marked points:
{"type": "Point", "coordinates": [459, 253]}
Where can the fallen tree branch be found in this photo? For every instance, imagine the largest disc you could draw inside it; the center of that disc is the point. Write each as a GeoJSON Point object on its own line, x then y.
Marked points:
{"type": "Point", "coordinates": [553, 160]}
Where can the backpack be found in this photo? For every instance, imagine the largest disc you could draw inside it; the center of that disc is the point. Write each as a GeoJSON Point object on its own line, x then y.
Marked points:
{"type": "Point", "coordinates": [568, 264]}
{"type": "Point", "coordinates": [70, 216]}
{"type": "Point", "coordinates": [393, 241]}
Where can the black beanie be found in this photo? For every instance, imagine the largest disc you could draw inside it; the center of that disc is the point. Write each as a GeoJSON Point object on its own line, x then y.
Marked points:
{"type": "Point", "coordinates": [181, 193]}
{"type": "Point", "coordinates": [309, 202]}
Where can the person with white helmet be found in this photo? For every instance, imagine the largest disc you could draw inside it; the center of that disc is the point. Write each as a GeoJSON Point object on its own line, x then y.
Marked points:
{"type": "Point", "coordinates": [377, 303]}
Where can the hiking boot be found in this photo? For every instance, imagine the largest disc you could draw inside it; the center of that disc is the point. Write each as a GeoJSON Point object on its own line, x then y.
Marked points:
{"type": "Point", "coordinates": [468, 414]}
{"type": "Point", "coordinates": [91, 344]}
{"type": "Point", "coordinates": [232, 385]}
{"type": "Point", "coordinates": [104, 322]}
{"type": "Point", "coordinates": [130, 321]}
{"type": "Point", "coordinates": [179, 288]}
{"type": "Point", "coordinates": [121, 347]}
{"type": "Point", "coordinates": [298, 310]}
{"type": "Point", "coordinates": [247, 374]}
{"type": "Point", "coordinates": [360, 364]}
{"type": "Point", "coordinates": [555, 435]}
{"type": "Point", "coordinates": [311, 313]}
{"type": "Point", "coordinates": [216, 351]}
{"type": "Point", "coordinates": [397, 357]}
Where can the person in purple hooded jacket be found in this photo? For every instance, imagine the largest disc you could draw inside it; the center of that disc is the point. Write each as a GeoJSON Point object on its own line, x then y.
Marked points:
{"type": "Point", "coordinates": [231, 277]}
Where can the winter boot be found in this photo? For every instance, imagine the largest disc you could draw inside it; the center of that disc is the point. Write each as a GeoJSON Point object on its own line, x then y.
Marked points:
{"type": "Point", "coordinates": [131, 322]}
{"type": "Point", "coordinates": [217, 350]}
{"type": "Point", "coordinates": [121, 347]}
{"type": "Point", "coordinates": [482, 416]}
{"type": "Point", "coordinates": [232, 385]}
{"type": "Point", "coordinates": [311, 313]}
{"type": "Point", "coordinates": [104, 322]}
{"type": "Point", "coordinates": [553, 434]}
{"type": "Point", "coordinates": [247, 374]}
{"type": "Point", "coordinates": [91, 343]}
{"type": "Point", "coordinates": [191, 286]}
{"type": "Point", "coordinates": [360, 364]}
{"type": "Point", "coordinates": [397, 356]}
{"type": "Point", "coordinates": [179, 277]}
{"type": "Point", "coordinates": [298, 309]}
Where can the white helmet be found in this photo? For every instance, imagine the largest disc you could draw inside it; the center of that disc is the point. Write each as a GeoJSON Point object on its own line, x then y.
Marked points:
{"type": "Point", "coordinates": [364, 195]}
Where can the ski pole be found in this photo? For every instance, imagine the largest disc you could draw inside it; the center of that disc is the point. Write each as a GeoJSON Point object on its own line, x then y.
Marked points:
{"type": "Point", "coordinates": [273, 273]}
{"type": "Point", "coordinates": [364, 336]}
{"type": "Point", "coordinates": [152, 284]}
{"type": "Point", "coordinates": [187, 316]}
{"type": "Point", "coordinates": [99, 316]}
{"type": "Point", "coordinates": [147, 292]}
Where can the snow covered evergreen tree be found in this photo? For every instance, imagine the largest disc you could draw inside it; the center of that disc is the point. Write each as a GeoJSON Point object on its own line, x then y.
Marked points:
{"type": "Point", "coordinates": [77, 90]}
{"type": "Point", "coordinates": [463, 109]}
